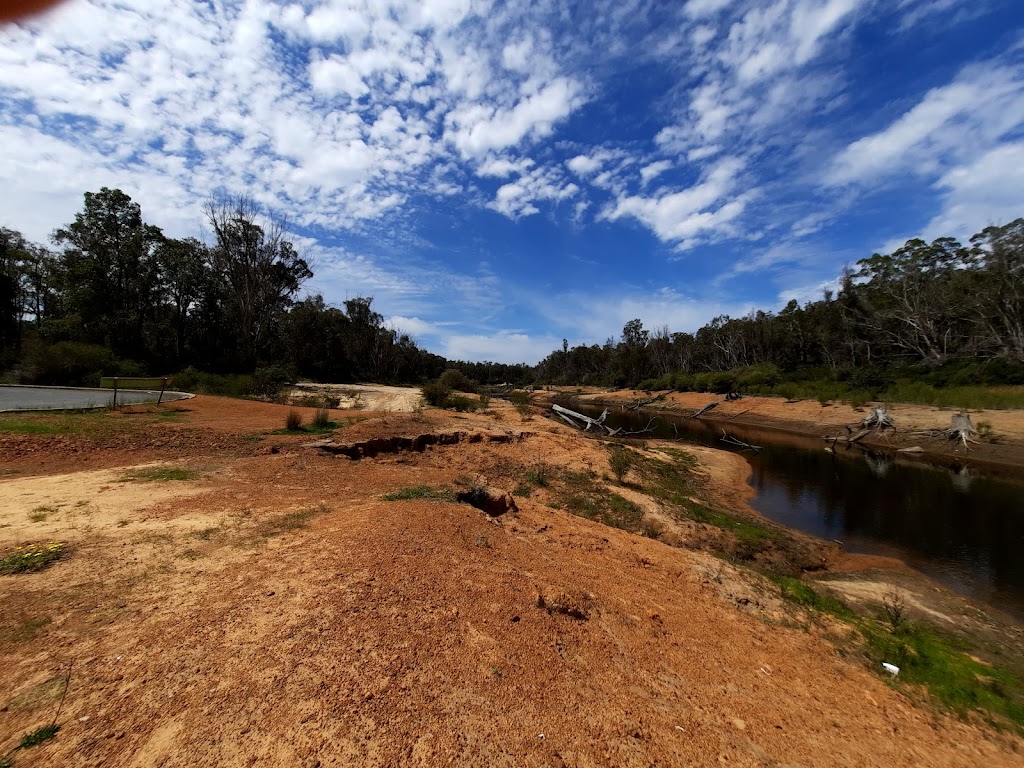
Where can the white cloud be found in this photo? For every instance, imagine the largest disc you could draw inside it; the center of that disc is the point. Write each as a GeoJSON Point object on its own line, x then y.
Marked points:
{"type": "Point", "coordinates": [499, 347]}
{"type": "Point", "coordinates": [516, 198]}
{"type": "Point", "coordinates": [988, 190]}
{"type": "Point", "coordinates": [683, 217]}
{"type": "Point", "coordinates": [652, 170]}
{"type": "Point", "coordinates": [584, 165]}
{"type": "Point", "coordinates": [981, 106]}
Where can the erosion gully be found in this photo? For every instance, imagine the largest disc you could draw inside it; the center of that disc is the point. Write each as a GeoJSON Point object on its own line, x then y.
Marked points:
{"type": "Point", "coordinates": [960, 526]}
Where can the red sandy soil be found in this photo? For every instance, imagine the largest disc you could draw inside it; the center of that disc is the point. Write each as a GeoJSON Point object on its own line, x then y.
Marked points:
{"type": "Point", "coordinates": [276, 610]}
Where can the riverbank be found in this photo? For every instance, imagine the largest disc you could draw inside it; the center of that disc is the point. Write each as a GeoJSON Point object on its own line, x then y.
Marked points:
{"type": "Point", "coordinates": [1000, 448]}
{"type": "Point", "coordinates": [230, 593]}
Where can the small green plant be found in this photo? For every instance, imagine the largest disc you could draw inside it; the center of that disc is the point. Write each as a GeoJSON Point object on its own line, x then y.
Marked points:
{"type": "Point", "coordinates": [484, 401]}
{"type": "Point", "coordinates": [292, 521]}
{"type": "Point", "coordinates": [427, 492]}
{"type": "Point", "coordinates": [985, 430]}
{"type": "Point", "coordinates": [620, 461]}
{"type": "Point", "coordinates": [894, 606]}
{"type": "Point", "coordinates": [539, 475]}
{"type": "Point", "coordinates": [293, 421]}
{"type": "Point", "coordinates": [31, 558]}
{"type": "Point", "coordinates": [462, 403]}
{"type": "Point", "coordinates": [38, 736]}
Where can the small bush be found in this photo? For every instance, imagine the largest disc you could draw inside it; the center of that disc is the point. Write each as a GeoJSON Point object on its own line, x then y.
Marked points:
{"type": "Point", "coordinates": [621, 460]}
{"type": "Point", "coordinates": [38, 736]}
{"type": "Point", "coordinates": [436, 394]}
{"type": "Point", "coordinates": [521, 400]}
{"type": "Point", "coordinates": [462, 403]}
{"type": "Point", "coordinates": [268, 382]}
{"type": "Point", "coordinates": [456, 380]}
{"type": "Point", "coordinates": [34, 557]}
{"type": "Point", "coordinates": [293, 421]}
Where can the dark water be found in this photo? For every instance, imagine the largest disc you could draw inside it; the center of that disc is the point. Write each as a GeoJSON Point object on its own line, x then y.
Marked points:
{"type": "Point", "coordinates": [961, 527]}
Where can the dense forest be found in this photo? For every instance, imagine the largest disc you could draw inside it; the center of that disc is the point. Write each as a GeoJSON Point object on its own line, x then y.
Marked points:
{"type": "Point", "coordinates": [938, 314]}
{"type": "Point", "coordinates": [114, 296]}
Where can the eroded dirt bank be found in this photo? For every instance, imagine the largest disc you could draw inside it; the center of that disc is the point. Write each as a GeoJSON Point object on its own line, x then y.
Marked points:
{"type": "Point", "coordinates": [231, 596]}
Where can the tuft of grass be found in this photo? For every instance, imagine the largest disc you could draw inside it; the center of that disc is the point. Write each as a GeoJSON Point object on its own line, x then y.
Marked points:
{"type": "Point", "coordinates": [292, 521]}
{"type": "Point", "coordinates": [321, 419]}
{"type": "Point", "coordinates": [620, 461]}
{"type": "Point", "coordinates": [539, 475]}
{"type": "Point", "coordinates": [522, 490]}
{"type": "Point", "coordinates": [38, 736]}
{"type": "Point", "coordinates": [159, 474]}
{"type": "Point", "coordinates": [293, 421]}
{"type": "Point", "coordinates": [33, 557]}
{"type": "Point", "coordinates": [39, 514]}
{"type": "Point", "coordinates": [427, 492]}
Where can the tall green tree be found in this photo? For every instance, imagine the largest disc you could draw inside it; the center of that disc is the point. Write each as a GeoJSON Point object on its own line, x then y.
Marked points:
{"type": "Point", "coordinates": [111, 277]}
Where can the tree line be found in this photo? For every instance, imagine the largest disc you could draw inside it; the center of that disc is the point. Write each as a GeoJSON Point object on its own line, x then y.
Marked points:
{"type": "Point", "coordinates": [942, 311]}
{"type": "Point", "coordinates": [112, 295]}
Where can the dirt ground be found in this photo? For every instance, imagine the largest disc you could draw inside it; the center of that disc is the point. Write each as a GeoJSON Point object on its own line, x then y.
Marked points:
{"type": "Point", "coordinates": [271, 607]}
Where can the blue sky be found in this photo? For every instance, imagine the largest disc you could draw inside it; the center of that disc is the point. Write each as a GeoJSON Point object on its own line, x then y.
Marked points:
{"type": "Point", "coordinates": [500, 176]}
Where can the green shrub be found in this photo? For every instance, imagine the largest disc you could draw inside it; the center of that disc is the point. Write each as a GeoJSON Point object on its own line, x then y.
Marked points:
{"type": "Point", "coordinates": [293, 421]}
{"type": "Point", "coordinates": [462, 403]}
{"type": "Point", "coordinates": [436, 394]}
{"type": "Point", "coordinates": [69, 363]}
{"type": "Point", "coordinates": [268, 382]}
{"type": "Point", "coordinates": [456, 380]}
{"type": "Point", "coordinates": [34, 557]}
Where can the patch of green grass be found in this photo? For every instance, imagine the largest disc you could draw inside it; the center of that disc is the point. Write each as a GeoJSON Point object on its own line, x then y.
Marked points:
{"type": "Point", "coordinates": [313, 428]}
{"type": "Point", "coordinates": [93, 422]}
{"type": "Point", "coordinates": [159, 474]}
{"type": "Point", "coordinates": [522, 490]}
{"type": "Point", "coordinates": [31, 558]}
{"type": "Point", "coordinates": [580, 493]}
{"type": "Point", "coordinates": [672, 483]}
{"type": "Point", "coordinates": [434, 493]}
{"type": "Point", "coordinates": [925, 656]}
{"type": "Point", "coordinates": [953, 678]}
{"type": "Point", "coordinates": [804, 595]}
{"type": "Point", "coordinates": [38, 736]}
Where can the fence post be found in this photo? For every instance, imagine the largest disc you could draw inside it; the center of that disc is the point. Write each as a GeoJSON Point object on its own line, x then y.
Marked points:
{"type": "Point", "coordinates": [115, 392]}
{"type": "Point", "coordinates": [163, 386]}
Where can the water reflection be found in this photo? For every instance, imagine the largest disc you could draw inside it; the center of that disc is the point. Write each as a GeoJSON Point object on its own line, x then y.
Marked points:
{"type": "Point", "coordinates": [959, 526]}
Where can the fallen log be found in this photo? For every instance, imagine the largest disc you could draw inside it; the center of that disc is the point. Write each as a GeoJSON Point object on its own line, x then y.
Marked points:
{"type": "Point", "coordinates": [572, 416]}
{"type": "Point", "coordinates": [702, 411]}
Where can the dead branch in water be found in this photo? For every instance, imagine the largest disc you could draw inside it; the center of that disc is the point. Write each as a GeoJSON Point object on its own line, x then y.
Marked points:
{"type": "Point", "coordinates": [620, 433]}
{"type": "Point", "coordinates": [739, 443]}
{"type": "Point", "coordinates": [580, 421]}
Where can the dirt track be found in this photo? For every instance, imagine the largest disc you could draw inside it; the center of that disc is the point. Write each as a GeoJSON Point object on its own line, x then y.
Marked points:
{"type": "Point", "coordinates": [274, 609]}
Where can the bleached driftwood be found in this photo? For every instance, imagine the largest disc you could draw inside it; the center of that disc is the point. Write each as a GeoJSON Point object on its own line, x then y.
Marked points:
{"type": "Point", "coordinates": [879, 418]}
{"type": "Point", "coordinates": [702, 411]}
{"type": "Point", "coordinates": [738, 443]}
{"type": "Point", "coordinates": [573, 416]}
{"type": "Point", "coordinates": [962, 428]}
